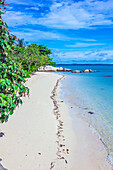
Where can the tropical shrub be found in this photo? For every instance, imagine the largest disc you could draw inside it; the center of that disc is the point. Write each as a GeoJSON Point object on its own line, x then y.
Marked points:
{"type": "Point", "coordinates": [12, 88]}
{"type": "Point", "coordinates": [32, 57]}
{"type": "Point", "coordinates": [12, 77]}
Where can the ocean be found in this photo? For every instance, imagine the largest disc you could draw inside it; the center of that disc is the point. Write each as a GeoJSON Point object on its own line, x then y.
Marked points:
{"type": "Point", "coordinates": [91, 94]}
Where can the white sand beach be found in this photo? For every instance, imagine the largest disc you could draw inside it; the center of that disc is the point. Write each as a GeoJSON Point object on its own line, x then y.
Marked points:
{"type": "Point", "coordinates": [41, 135]}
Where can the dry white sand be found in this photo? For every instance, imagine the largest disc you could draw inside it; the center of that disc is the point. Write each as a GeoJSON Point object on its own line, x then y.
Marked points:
{"type": "Point", "coordinates": [40, 136]}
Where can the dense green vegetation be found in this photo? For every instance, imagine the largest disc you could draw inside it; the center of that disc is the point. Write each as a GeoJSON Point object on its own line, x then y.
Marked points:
{"type": "Point", "coordinates": [17, 60]}
{"type": "Point", "coordinates": [31, 56]}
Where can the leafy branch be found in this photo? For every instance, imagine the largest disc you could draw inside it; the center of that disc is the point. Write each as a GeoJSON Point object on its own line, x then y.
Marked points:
{"type": "Point", "coordinates": [12, 77]}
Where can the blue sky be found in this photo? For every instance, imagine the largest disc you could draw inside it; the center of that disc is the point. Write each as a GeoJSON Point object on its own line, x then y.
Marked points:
{"type": "Point", "coordinates": [78, 31]}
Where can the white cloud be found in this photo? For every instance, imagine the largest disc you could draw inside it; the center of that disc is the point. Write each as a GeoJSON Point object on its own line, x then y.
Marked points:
{"type": "Point", "coordinates": [83, 39]}
{"type": "Point", "coordinates": [55, 5]}
{"type": "Point", "coordinates": [25, 2]}
{"type": "Point", "coordinates": [64, 15]}
{"type": "Point", "coordinates": [82, 14]}
{"type": "Point", "coordinates": [101, 55]}
{"type": "Point", "coordinates": [101, 6]}
{"type": "Point", "coordinates": [85, 44]}
{"type": "Point", "coordinates": [35, 35]}
{"type": "Point", "coordinates": [13, 18]}
{"type": "Point", "coordinates": [9, 7]}
{"type": "Point", "coordinates": [22, 2]}
{"type": "Point", "coordinates": [34, 8]}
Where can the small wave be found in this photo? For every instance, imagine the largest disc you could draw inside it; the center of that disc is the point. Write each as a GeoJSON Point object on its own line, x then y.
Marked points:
{"type": "Point", "coordinates": [109, 157]}
{"type": "Point", "coordinates": [95, 131]}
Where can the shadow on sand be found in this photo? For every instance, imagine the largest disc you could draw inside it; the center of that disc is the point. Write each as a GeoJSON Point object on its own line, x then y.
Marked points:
{"type": "Point", "coordinates": [1, 167]}
{"type": "Point", "coordinates": [1, 134]}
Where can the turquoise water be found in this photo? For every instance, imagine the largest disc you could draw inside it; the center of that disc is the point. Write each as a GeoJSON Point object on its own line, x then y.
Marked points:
{"type": "Point", "coordinates": [92, 92]}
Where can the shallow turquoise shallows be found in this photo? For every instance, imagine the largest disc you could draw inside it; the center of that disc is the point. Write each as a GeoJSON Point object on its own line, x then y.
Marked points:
{"type": "Point", "coordinates": [92, 95]}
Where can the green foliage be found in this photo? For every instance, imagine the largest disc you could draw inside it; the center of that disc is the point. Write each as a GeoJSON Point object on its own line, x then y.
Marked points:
{"type": "Point", "coordinates": [6, 40]}
{"type": "Point", "coordinates": [32, 57]}
{"type": "Point", "coordinates": [11, 88]}
{"type": "Point", "coordinates": [12, 77]}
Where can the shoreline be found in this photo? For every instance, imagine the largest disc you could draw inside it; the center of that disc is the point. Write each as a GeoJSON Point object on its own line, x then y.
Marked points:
{"type": "Point", "coordinates": [42, 134]}
{"type": "Point", "coordinates": [93, 134]}
{"type": "Point", "coordinates": [109, 157]}
{"type": "Point", "coordinates": [100, 160]}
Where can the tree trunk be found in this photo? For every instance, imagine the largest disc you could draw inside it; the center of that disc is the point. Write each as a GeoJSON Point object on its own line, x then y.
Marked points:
{"type": "Point", "coordinates": [29, 65]}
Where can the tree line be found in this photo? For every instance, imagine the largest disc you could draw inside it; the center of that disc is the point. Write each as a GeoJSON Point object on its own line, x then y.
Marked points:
{"type": "Point", "coordinates": [17, 60]}
{"type": "Point", "coordinates": [31, 56]}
